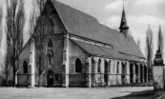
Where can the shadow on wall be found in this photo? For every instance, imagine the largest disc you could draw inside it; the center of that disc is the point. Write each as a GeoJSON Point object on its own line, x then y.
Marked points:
{"type": "Point", "coordinates": [141, 95]}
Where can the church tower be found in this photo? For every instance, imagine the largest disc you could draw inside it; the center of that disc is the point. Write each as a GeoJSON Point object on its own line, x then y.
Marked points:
{"type": "Point", "coordinates": [123, 24]}
{"type": "Point", "coordinates": [159, 53]}
{"type": "Point", "coordinates": [158, 67]}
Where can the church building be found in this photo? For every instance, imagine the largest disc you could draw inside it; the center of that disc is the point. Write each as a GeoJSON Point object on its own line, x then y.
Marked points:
{"type": "Point", "coordinates": [70, 48]}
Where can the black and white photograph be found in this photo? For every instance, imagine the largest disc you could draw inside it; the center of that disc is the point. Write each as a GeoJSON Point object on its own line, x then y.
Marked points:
{"type": "Point", "coordinates": [82, 49]}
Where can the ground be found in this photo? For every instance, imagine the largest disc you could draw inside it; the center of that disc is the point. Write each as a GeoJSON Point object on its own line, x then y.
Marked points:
{"type": "Point", "coordinates": [80, 93]}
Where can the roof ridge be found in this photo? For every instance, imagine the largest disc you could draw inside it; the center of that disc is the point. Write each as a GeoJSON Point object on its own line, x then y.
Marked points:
{"type": "Point", "coordinates": [79, 23]}
{"type": "Point", "coordinates": [80, 11]}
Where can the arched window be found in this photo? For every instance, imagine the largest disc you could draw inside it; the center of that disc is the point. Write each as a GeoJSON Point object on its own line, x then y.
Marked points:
{"type": "Point", "coordinates": [106, 71]}
{"type": "Point", "coordinates": [50, 44]}
{"type": "Point", "coordinates": [124, 69]}
{"type": "Point", "coordinates": [99, 66]}
{"type": "Point", "coordinates": [50, 78]}
{"type": "Point", "coordinates": [93, 65]}
{"type": "Point", "coordinates": [110, 67]}
{"type": "Point", "coordinates": [117, 68]}
{"type": "Point", "coordinates": [106, 68]}
{"type": "Point", "coordinates": [50, 52]}
{"type": "Point", "coordinates": [78, 66]}
{"type": "Point", "coordinates": [25, 67]}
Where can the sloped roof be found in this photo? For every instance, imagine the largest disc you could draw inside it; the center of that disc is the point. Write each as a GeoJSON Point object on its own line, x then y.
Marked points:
{"type": "Point", "coordinates": [102, 51]}
{"type": "Point", "coordinates": [95, 49]}
{"type": "Point", "coordinates": [82, 24]}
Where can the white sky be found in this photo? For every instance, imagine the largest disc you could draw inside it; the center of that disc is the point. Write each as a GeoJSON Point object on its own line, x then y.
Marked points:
{"type": "Point", "coordinates": [140, 13]}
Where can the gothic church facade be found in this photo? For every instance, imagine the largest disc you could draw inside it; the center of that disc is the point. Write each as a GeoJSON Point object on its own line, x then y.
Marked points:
{"type": "Point", "coordinates": [72, 49]}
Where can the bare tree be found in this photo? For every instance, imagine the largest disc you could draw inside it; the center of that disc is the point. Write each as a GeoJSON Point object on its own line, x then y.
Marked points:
{"type": "Point", "coordinates": [149, 52]}
{"type": "Point", "coordinates": [39, 40]}
{"type": "Point", "coordinates": [41, 4]}
{"type": "Point", "coordinates": [15, 24]}
{"type": "Point", "coordinates": [160, 41]}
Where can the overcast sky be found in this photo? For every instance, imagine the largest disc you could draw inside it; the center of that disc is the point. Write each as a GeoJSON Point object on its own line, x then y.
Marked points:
{"type": "Point", "coordinates": [140, 13]}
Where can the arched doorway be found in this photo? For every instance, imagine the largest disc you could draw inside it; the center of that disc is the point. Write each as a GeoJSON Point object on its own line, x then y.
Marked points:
{"type": "Point", "coordinates": [137, 72]}
{"type": "Point", "coordinates": [99, 76]}
{"type": "Point", "coordinates": [23, 79]}
{"type": "Point", "coordinates": [80, 78]}
{"type": "Point", "coordinates": [50, 78]}
{"type": "Point", "coordinates": [106, 71]}
{"type": "Point", "coordinates": [78, 66]}
{"type": "Point", "coordinates": [124, 72]}
{"type": "Point", "coordinates": [145, 74]}
{"type": "Point", "coordinates": [99, 66]}
{"type": "Point", "coordinates": [131, 73]}
{"type": "Point", "coordinates": [141, 73]}
{"type": "Point", "coordinates": [93, 72]}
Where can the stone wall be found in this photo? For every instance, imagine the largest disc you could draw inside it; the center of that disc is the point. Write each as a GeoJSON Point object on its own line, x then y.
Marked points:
{"type": "Point", "coordinates": [158, 77]}
{"type": "Point", "coordinates": [48, 27]}
{"type": "Point", "coordinates": [56, 64]}
{"type": "Point", "coordinates": [75, 52]}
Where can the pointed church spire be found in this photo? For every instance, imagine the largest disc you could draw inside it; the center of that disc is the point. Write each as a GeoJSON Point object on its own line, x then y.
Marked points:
{"type": "Point", "coordinates": [123, 25]}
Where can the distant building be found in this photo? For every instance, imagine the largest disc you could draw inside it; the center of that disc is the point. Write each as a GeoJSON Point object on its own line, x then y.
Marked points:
{"type": "Point", "coordinates": [71, 48]}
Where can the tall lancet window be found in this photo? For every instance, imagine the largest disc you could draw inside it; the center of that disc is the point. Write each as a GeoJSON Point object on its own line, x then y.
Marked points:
{"type": "Point", "coordinates": [50, 44]}
{"type": "Point", "coordinates": [50, 52]}
{"type": "Point", "coordinates": [25, 67]}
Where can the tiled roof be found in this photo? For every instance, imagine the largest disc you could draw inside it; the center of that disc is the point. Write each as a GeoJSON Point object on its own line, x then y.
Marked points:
{"type": "Point", "coordinates": [82, 24]}
{"type": "Point", "coordinates": [102, 51]}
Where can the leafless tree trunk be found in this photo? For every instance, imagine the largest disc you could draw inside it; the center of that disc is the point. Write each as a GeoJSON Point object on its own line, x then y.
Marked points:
{"type": "Point", "coordinates": [15, 24]}
{"type": "Point", "coordinates": [149, 52]}
{"type": "Point", "coordinates": [39, 39]}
